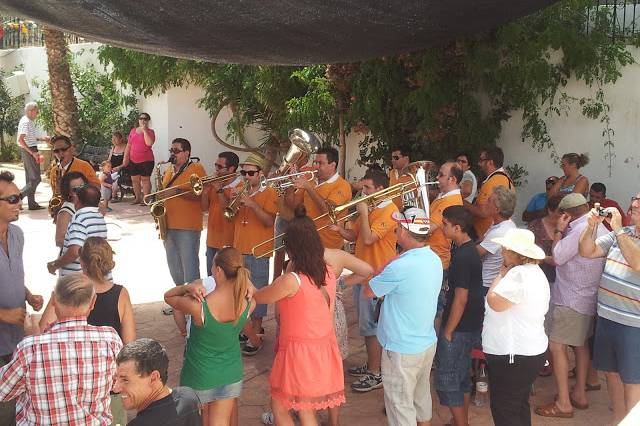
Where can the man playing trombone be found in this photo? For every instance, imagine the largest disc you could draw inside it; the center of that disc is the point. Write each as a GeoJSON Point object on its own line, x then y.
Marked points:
{"type": "Point", "coordinates": [374, 234]}
{"type": "Point", "coordinates": [253, 208]}
{"type": "Point", "coordinates": [331, 188]}
{"type": "Point", "coordinates": [214, 200]}
{"type": "Point", "coordinates": [183, 217]}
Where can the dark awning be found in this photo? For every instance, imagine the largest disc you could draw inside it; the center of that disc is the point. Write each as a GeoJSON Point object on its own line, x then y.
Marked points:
{"type": "Point", "coordinates": [273, 31]}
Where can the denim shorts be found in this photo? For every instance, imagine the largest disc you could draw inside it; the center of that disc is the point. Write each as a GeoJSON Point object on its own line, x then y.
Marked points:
{"type": "Point", "coordinates": [223, 392]}
{"type": "Point", "coordinates": [453, 361]}
{"type": "Point", "coordinates": [182, 248]}
{"type": "Point", "coordinates": [366, 308]}
{"type": "Point", "coordinates": [259, 269]}
{"type": "Point", "coordinates": [616, 350]}
{"type": "Point", "coordinates": [443, 291]}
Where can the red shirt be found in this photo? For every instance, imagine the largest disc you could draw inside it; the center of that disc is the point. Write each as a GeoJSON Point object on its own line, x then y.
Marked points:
{"type": "Point", "coordinates": [140, 151]}
{"type": "Point", "coordinates": [63, 376]}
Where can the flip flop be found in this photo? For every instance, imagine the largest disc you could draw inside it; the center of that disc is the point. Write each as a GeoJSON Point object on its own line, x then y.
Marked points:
{"type": "Point", "coordinates": [577, 405]}
{"type": "Point", "coordinates": [552, 410]}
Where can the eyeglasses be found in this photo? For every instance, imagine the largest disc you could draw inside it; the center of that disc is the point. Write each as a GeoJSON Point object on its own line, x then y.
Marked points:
{"type": "Point", "coordinates": [220, 167]}
{"type": "Point", "coordinates": [60, 150]}
{"type": "Point", "coordinates": [395, 157]}
{"type": "Point", "coordinates": [11, 199]}
{"type": "Point", "coordinates": [144, 118]}
{"type": "Point", "coordinates": [175, 151]}
{"type": "Point", "coordinates": [251, 173]}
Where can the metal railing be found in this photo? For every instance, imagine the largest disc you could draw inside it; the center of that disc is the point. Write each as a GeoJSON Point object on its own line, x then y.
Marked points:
{"type": "Point", "coordinates": [16, 33]}
{"type": "Point", "coordinates": [623, 14]}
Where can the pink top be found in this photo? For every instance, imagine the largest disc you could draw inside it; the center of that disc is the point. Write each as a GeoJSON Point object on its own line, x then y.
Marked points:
{"type": "Point", "coordinates": [139, 151]}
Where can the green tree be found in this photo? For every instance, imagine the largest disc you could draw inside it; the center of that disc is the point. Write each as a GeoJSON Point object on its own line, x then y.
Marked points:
{"type": "Point", "coordinates": [11, 109]}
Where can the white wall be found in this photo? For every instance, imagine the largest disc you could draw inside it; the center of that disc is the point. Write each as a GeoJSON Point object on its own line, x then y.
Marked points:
{"type": "Point", "coordinates": [578, 134]}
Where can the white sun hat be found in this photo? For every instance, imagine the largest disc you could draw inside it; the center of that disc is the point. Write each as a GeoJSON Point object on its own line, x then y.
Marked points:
{"type": "Point", "coordinates": [522, 241]}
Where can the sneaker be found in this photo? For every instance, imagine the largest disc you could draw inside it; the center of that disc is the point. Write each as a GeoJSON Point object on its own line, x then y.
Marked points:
{"type": "Point", "coordinates": [249, 350]}
{"type": "Point", "coordinates": [359, 371]}
{"type": "Point", "coordinates": [368, 383]}
{"type": "Point", "coordinates": [267, 418]}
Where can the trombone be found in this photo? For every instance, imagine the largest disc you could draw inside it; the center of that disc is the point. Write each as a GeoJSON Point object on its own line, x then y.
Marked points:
{"type": "Point", "coordinates": [399, 189]}
{"type": "Point", "coordinates": [195, 186]}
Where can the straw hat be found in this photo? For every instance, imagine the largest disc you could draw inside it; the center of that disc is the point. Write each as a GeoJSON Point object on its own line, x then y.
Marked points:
{"type": "Point", "coordinates": [254, 159]}
{"type": "Point", "coordinates": [413, 219]}
{"type": "Point", "coordinates": [522, 241]}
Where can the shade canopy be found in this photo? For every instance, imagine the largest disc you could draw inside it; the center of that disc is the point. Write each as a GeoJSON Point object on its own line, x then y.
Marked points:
{"type": "Point", "coordinates": [296, 32]}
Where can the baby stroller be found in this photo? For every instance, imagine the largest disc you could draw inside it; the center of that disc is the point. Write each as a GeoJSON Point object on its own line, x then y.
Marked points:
{"type": "Point", "coordinates": [125, 185]}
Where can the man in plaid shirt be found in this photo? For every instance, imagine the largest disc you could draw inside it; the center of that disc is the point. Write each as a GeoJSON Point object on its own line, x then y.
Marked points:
{"type": "Point", "coordinates": [64, 376]}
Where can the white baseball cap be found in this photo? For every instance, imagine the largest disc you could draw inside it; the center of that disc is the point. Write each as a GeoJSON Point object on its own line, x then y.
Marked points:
{"type": "Point", "coordinates": [413, 219]}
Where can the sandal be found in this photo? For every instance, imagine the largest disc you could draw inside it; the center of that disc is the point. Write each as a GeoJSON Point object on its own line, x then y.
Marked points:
{"type": "Point", "coordinates": [552, 410]}
{"type": "Point", "coordinates": [590, 388]}
{"type": "Point", "coordinates": [577, 405]}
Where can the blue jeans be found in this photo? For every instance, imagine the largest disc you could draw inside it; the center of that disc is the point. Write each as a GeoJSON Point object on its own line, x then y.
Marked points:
{"type": "Point", "coordinates": [259, 269]}
{"type": "Point", "coordinates": [182, 248]}
{"type": "Point", "coordinates": [453, 361]}
{"type": "Point", "coordinates": [211, 253]}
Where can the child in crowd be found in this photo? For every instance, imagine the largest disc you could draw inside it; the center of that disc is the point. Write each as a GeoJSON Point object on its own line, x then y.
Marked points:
{"type": "Point", "coordinates": [106, 183]}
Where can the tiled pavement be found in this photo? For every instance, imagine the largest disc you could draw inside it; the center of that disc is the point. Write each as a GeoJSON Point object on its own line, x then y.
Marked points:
{"type": "Point", "coordinates": [141, 267]}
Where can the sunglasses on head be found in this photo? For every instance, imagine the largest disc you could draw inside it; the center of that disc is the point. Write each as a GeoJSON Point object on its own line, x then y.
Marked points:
{"type": "Point", "coordinates": [11, 199]}
{"type": "Point", "coordinates": [60, 150]}
{"type": "Point", "coordinates": [251, 173]}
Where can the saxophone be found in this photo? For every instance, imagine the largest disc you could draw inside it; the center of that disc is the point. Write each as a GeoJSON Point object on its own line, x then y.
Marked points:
{"type": "Point", "coordinates": [160, 219]}
{"type": "Point", "coordinates": [55, 203]}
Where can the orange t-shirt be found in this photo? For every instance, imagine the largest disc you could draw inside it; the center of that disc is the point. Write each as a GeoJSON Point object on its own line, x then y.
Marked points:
{"type": "Point", "coordinates": [219, 229]}
{"type": "Point", "coordinates": [248, 230]}
{"type": "Point", "coordinates": [382, 251]}
{"type": "Point", "coordinates": [337, 191]}
{"type": "Point", "coordinates": [440, 244]}
{"type": "Point", "coordinates": [482, 224]}
{"type": "Point", "coordinates": [183, 212]}
{"type": "Point", "coordinates": [77, 165]}
{"type": "Point", "coordinates": [395, 177]}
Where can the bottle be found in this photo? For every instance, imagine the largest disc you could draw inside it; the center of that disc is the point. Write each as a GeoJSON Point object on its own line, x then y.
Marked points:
{"type": "Point", "coordinates": [482, 387]}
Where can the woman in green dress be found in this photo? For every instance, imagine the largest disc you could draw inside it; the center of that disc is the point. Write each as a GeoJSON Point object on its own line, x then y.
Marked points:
{"type": "Point", "coordinates": [213, 362]}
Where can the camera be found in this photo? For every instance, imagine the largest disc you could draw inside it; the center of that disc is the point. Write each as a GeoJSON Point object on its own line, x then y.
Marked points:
{"type": "Point", "coordinates": [602, 212]}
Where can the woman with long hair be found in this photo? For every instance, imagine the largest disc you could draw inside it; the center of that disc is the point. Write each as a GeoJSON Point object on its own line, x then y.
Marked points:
{"type": "Point", "coordinates": [116, 158]}
{"type": "Point", "coordinates": [68, 183]}
{"type": "Point", "coordinates": [213, 362]}
{"type": "Point", "coordinates": [307, 370]}
{"type": "Point", "coordinates": [139, 156]}
{"type": "Point", "coordinates": [112, 306]}
{"type": "Point", "coordinates": [513, 335]}
{"type": "Point", "coordinates": [572, 180]}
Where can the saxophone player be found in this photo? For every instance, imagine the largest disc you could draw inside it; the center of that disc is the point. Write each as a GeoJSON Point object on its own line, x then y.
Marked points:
{"type": "Point", "coordinates": [184, 220]}
{"type": "Point", "coordinates": [253, 224]}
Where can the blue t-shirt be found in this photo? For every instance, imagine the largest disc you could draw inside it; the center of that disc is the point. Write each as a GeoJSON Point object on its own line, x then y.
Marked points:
{"type": "Point", "coordinates": [537, 202]}
{"type": "Point", "coordinates": [410, 286]}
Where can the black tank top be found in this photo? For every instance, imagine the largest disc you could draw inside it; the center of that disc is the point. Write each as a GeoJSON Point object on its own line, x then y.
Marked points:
{"type": "Point", "coordinates": [105, 312]}
{"type": "Point", "coordinates": [117, 158]}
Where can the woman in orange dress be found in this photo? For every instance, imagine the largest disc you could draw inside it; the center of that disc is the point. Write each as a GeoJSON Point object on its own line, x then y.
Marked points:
{"type": "Point", "coordinates": [307, 370]}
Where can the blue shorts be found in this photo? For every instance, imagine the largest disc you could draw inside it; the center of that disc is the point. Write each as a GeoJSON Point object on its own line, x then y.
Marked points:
{"type": "Point", "coordinates": [366, 308]}
{"type": "Point", "coordinates": [223, 392]}
{"type": "Point", "coordinates": [616, 350]}
{"type": "Point", "coordinates": [453, 361]}
{"type": "Point", "coordinates": [259, 269]}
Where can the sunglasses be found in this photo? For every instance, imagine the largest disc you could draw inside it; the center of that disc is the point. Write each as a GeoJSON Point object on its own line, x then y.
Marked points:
{"type": "Point", "coordinates": [11, 199]}
{"type": "Point", "coordinates": [550, 181]}
{"type": "Point", "coordinates": [395, 157]}
{"type": "Point", "coordinates": [251, 173]}
{"type": "Point", "coordinates": [175, 151]}
{"type": "Point", "coordinates": [219, 167]}
{"type": "Point", "coordinates": [78, 188]}
{"type": "Point", "coordinates": [60, 150]}
{"type": "Point", "coordinates": [144, 118]}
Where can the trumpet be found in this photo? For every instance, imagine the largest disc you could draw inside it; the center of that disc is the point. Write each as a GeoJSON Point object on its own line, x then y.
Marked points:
{"type": "Point", "coordinates": [231, 210]}
{"type": "Point", "coordinates": [280, 183]}
{"type": "Point", "coordinates": [400, 189]}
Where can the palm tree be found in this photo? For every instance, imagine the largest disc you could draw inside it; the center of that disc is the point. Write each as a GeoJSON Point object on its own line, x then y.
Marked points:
{"type": "Point", "coordinates": [64, 105]}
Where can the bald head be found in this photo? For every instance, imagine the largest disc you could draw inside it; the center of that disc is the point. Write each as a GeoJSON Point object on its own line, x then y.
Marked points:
{"type": "Point", "coordinates": [74, 291]}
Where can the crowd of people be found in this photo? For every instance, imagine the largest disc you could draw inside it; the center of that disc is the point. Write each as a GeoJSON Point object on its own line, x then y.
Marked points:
{"type": "Point", "coordinates": [432, 280]}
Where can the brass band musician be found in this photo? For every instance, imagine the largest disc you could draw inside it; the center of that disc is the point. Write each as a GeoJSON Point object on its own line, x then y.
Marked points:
{"type": "Point", "coordinates": [64, 151]}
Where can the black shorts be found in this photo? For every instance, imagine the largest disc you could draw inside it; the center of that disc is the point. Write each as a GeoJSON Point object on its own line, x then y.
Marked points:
{"type": "Point", "coordinates": [141, 169]}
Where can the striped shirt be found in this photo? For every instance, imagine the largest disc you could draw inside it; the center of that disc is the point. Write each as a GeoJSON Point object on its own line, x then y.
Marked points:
{"type": "Point", "coordinates": [86, 222]}
{"type": "Point", "coordinates": [619, 292]}
{"type": "Point", "coordinates": [63, 376]}
{"type": "Point", "coordinates": [27, 128]}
